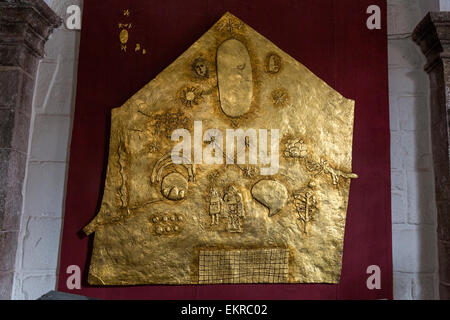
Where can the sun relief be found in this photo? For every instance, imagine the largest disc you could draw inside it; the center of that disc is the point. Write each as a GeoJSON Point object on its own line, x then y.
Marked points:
{"type": "Point", "coordinates": [233, 165]}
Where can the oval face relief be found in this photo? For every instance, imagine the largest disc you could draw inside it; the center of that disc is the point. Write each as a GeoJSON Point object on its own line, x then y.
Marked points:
{"type": "Point", "coordinates": [234, 76]}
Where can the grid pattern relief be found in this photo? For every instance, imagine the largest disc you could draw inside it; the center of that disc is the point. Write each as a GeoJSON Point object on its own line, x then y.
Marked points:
{"type": "Point", "coordinates": [243, 266]}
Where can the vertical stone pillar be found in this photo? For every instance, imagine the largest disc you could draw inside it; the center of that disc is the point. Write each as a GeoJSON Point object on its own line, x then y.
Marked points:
{"type": "Point", "coordinates": [433, 37]}
{"type": "Point", "coordinates": [25, 26]}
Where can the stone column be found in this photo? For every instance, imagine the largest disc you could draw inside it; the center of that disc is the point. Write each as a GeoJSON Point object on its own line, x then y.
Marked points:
{"type": "Point", "coordinates": [25, 26]}
{"type": "Point", "coordinates": [433, 37]}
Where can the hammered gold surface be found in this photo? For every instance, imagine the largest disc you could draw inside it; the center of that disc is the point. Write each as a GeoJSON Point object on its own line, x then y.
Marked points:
{"type": "Point", "coordinates": [157, 218]}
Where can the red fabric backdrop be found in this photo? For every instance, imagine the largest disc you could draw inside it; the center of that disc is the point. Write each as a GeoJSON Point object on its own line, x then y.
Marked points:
{"type": "Point", "coordinates": [328, 36]}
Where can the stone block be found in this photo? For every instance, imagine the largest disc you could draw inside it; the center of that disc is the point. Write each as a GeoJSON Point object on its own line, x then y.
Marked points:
{"type": "Point", "coordinates": [14, 130]}
{"type": "Point", "coordinates": [19, 56]}
{"type": "Point", "coordinates": [414, 248]}
{"type": "Point", "coordinates": [444, 5]}
{"type": "Point", "coordinates": [7, 124]}
{"type": "Point", "coordinates": [414, 113]}
{"type": "Point", "coordinates": [394, 122]}
{"type": "Point", "coordinates": [408, 81]}
{"type": "Point", "coordinates": [438, 104]}
{"type": "Point", "coordinates": [403, 16]}
{"type": "Point", "coordinates": [12, 166]}
{"type": "Point", "coordinates": [16, 90]}
{"type": "Point", "coordinates": [442, 181]}
{"type": "Point", "coordinates": [10, 82]}
{"type": "Point", "coordinates": [421, 199]}
{"type": "Point", "coordinates": [437, 83]}
{"type": "Point", "coordinates": [6, 284]}
{"type": "Point", "coordinates": [55, 89]}
{"type": "Point", "coordinates": [402, 286]}
{"type": "Point", "coordinates": [397, 155]}
{"type": "Point", "coordinates": [440, 142]}
{"type": "Point", "coordinates": [398, 196]}
{"type": "Point", "coordinates": [63, 45]}
{"type": "Point", "coordinates": [50, 138]}
{"type": "Point", "coordinates": [26, 95]}
{"type": "Point", "coordinates": [45, 189]}
{"type": "Point", "coordinates": [45, 77]}
{"type": "Point", "coordinates": [416, 150]}
{"type": "Point", "coordinates": [10, 206]}
{"type": "Point", "coordinates": [8, 248]}
{"type": "Point", "coordinates": [444, 261]}
{"type": "Point", "coordinates": [41, 243]}
{"type": "Point", "coordinates": [424, 286]}
{"type": "Point", "coordinates": [404, 54]}
{"type": "Point", "coordinates": [34, 286]}
{"type": "Point", "coordinates": [21, 132]}
{"type": "Point", "coordinates": [12, 172]}
{"type": "Point", "coordinates": [443, 219]}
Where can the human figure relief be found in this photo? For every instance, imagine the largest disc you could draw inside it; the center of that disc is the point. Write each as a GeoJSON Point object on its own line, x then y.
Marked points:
{"type": "Point", "coordinates": [234, 209]}
{"type": "Point", "coordinates": [215, 206]}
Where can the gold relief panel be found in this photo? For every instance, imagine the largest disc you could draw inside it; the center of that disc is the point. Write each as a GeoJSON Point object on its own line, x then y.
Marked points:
{"type": "Point", "coordinates": [233, 165]}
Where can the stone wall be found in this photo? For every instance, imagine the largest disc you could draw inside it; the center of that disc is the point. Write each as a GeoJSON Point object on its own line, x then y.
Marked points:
{"type": "Point", "coordinates": [413, 200]}
{"type": "Point", "coordinates": [432, 36]}
{"type": "Point", "coordinates": [25, 26]}
{"type": "Point", "coordinates": [444, 5]}
{"type": "Point", "coordinates": [44, 188]}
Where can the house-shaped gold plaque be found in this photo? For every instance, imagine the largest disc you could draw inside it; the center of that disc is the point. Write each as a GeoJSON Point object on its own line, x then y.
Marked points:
{"type": "Point", "coordinates": [261, 197]}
